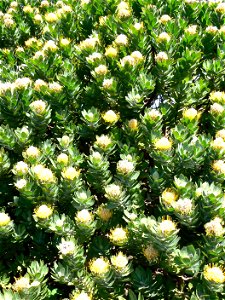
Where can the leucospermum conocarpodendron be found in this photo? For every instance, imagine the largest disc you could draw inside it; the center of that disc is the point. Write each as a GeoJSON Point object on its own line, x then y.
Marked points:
{"type": "Point", "coordinates": [102, 106]}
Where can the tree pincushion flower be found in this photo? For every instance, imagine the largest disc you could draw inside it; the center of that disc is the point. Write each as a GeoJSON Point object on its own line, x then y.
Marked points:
{"type": "Point", "coordinates": [166, 227]}
{"type": "Point", "coordinates": [39, 84]}
{"type": "Point", "coordinates": [161, 57]}
{"type": "Point", "coordinates": [119, 261]}
{"type": "Point", "coordinates": [38, 107]}
{"type": "Point", "coordinates": [101, 70]}
{"type": "Point", "coordinates": [163, 37]}
{"type": "Point", "coordinates": [70, 173]}
{"type": "Point", "coordinates": [20, 184]}
{"type": "Point", "coordinates": [99, 266]}
{"type": "Point", "coordinates": [51, 17]}
{"type": "Point", "coordinates": [218, 144]}
{"type": "Point", "coordinates": [110, 117]}
{"type": "Point", "coordinates": [183, 206]}
{"type": "Point", "coordinates": [113, 191]}
{"type": "Point", "coordinates": [214, 274]}
{"type": "Point", "coordinates": [150, 253]}
{"type": "Point", "coordinates": [125, 166]}
{"type": "Point", "coordinates": [164, 19]}
{"type": "Point", "coordinates": [118, 236]}
{"type": "Point", "coordinates": [217, 96]}
{"type": "Point", "coordinates": [21, 168]}
{"type": "Point", "coordinates": [221, 134]}
{"type": "Point", "coordinates": [214, 227]}
{"type": "Point", "coordinates": [63, 158]}
{"type": "Point", "coordinates": [45, 175]}
{"type": "Point", "coordinates": [81, 296]}
{"type": "Point", "coordinates": [133, 124]}
{"type": "Point", "coordinates": [163, 144]}
{"type": "Point", "coordinates": [219, 166]}
{"type": "Point", "coordinates": [169, 196]}
{"type": "Point", "coordinates": [216, 109]}
{"type": "Point", "coordinates": [111, 52]}
{"type": "Point", "coordinates": [104, 213]}
{"type": "Point", "coordinates": [84, 216]}
{"type": "Point", "coordinates": [55, 87]}
{"type": "Point", "coordinates": [4, 219]}
{"type": "Point", "coordinates": [43, 211]}
{"type": "Point", "coordinates": [121, 40]}
{"type": "Point", "coordinates": [103, 141]}
{"type": "Point", "coordinates": [66, 247]}
{"type": "Point", "coordinates": [191, 114]}
{"type": "Point", "coordinates": [32, 152]}
{"type": "Point", "coordinates": [21, 284]}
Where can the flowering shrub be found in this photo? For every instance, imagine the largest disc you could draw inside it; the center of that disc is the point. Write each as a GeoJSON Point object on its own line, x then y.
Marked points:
{"type": "Point", "coordinates": [112, 144]}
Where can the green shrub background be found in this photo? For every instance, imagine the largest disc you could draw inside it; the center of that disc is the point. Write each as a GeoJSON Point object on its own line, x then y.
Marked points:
{"type": "Point", "coordinates": [112, 158]}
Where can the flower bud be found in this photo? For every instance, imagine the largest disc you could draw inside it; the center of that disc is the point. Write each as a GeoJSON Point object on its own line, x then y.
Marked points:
{"type": "Point", "coordinates": [150, 253]}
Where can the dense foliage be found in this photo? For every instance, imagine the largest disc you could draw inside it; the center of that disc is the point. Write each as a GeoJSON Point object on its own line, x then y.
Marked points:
{"type": "Point", "coordinates": [112, 158]}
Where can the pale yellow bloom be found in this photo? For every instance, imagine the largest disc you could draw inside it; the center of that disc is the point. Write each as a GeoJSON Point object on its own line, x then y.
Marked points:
{"type": "Point", "coordinates": [8, 22]}
{"type": "Point", "coordinates": [103, 141]}
{"type": "Point", "coordinates": [214, 227]}
{"type": "Point", "coordinates": [220, 8]}
{"type": "Point", "coordinates": [164, 37]}
{"type": "Point", "coordinates": [137, 56]}
{"type": "Point", "coordinates": [222, 29]}
{"type": "Point", "coordinates": [39, 84]}
{"type": "Point", "coordinates": [21, 284]}
{"type": "Point", "coordinates": [44, 3]}
{"type": "Point", "coordinates": [107, 84]}
{"type": "Point", "coordinates": [43, 212]}
{"type": "Point", "coordinates": [124, 13]}
{"type": "Point", "coordinates": [133, 124]}
{"type": "Point", "coordinates": [50, 45]}
{"type": "Point", "coordinates": [216, 109]}
{"type": "Point", "coordinates": [163, 144]}
{"type": "Point", "coordinates": [218, 144]}
{"type": "Point", "coordinates": [51, 17]}
{"type": "Point", "coordinates": [38, 107]}
{"type": "Point", "coordinates": [211, 29]}
{"type": "Point", "coordinates": [166, 226]}
{"type": "Point", "coordinates": [19, 49]}
{"type": "Point", "coordinates": [164, 19]}
{"type": "Point", "coordinates": [28, 9]}
{"type": "Point", "coordinates": [191, 29]}
{"type": "Point", "coordinates": [67, 9]}
{"type": "Point", "coordinates": [20, 184]}
{"type": "Point", "coordinates": [84, 216]}
{"type": "Point", "coordinates": [214, 274]}
{"type": "Point", "coordinates": [22, 83]}
{"type": "Point", "coordinates": [217, 96]}
{"type": "Point", "coordinates": [138, 26]}
{"type": "Point", "coordinates": [121, 40]}
{"type": "Point", "coordinates": [161, 57]}
{"type": "Point", "coordinates": [169, 196]}
{"type": "Point", "coordinates": [81, 296]}
{"type": "Point", "coordinates": [64, 42]}
{"type": "Point", "coordinates": [113, 191]}
{"type": "Point", "coordinates": [4, 219]}
{"type": "Point", "coordinates": [110, 116]}
{"type": "Point", "coordinates": [119, 261]}
{"type": "Point", "coordinates": [221, 133]}
{"type": "Point", "coordinates": [89, 43]}
{"type": "Point", "coordinates": [65, 141]}
{"type": "Point", "coordinates": [127, 60]}
{"type": "Point", "coordinates": [39, 54]}
{"type": "Point", "coordinates": [55, 87]}
{"type": "Point", "coordinates": [21, 168]}
{"type": "Point", "coordinates": [38, 18]}
{"type": "Point", "coordinates": [14, 4]}
{"type": "Point", "coordinates": [125, 166]}
{"type": "Point", "coordinates": [45, 175]}
{"type": "Point", "coordinates": [63, 158]}
{"type": "Point", "coordinates": [150, 253]}
{"type": "Point", "coordinates": [219, 166]}
{"type": "Point", "coordinates": [154, 114]}
{"type": "Point", "coordinates": [111, 52]}
{"type": "Point", "coordinates": [191, 114]}
{"type": "Point", "coordinates": [101, 70]}
{"type": "Point", "coordinates": [32, 152]}
{"type": "Point", "coordinates": [118, 236]}
{"type": "Point", "coordinates": [99, 266]}
{"type": "Point", "coordinates": [183, 206]}
{"type": "Point", "coordinates": [70, 173]}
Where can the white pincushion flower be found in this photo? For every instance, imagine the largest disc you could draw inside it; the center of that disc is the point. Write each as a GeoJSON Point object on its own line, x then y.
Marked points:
{"type": "Point", "coordinates": [125, 166]}
{"type": "Point", "coordinates": [20, 184]}
{"type": "Point", "coordinates": [121, 40]}
{"type": "Point", "coordinates": [66, 247]}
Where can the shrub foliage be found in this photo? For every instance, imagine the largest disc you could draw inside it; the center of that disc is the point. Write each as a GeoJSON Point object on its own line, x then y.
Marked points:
{"type": "Point", "coordinates": [112, 134]}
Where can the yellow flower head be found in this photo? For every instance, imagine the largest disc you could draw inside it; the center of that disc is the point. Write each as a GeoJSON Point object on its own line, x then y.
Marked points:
{"type": "Point", "coordinates": [101, 70]}
{"type": "Point", "coordinates": [107, 84]}
{"type": "Point", "coordinates": [190, 114]}
{"type": "Point", "coordinates": [220, 8]}
{"type": "Point", "coordinates": [44, 3]}
{"type": "Point", "coordinates": [84, 216]}
{"type": "Point", "coordinates": [63, 158]}
{"type": "Point", "coordinates": [21, 284]}
{"type": "Point", "coordinates": [22, 83]}
{"type": "Point", "coordinates": [133, 124]}
{"type": "Point", "coordinates": [4, 219]}
{"type": "Point", "coordinates": [218, 144]}
{"type": "Point", "coordinates": [214, 227]}
{"type": "Point", "coordinates": [169, 196]}
{"type": "Point", "coordinates": [70, 173]}
{"type": "Point", "coordinates": [28, 9]}
{"type": "Point", "coordinates": [118, 236]}
{"type": "Point", "coordinates": [99, 266]}
{"type": "Point", "coordinates": [21, 168]}
{"type": "Point", "coordinates": [38, 18]}
{"type": "Point", "coordinates": [66, 247]}
{"type": "Point", "coordinates": [39, 84]}
{"type": "Point", "coordinates": [51, 17]}
{"type": "Point", "coordinates": [119, 261]}
{"type": "Point", "coordinates": [121, 40]}
{"type": "Point", "coordinates": [104, 213]}
{"type": "Point", "coordinates": [216, 109]}
{"type": "Point", "coordinates": [65, 141]}
{"type": "Point", "coordinates": [32, 152]}
{"type": "Point", "coordinates": [113, 191]}
{"type": "Point", "coordinates": [110, 117]}
{"type": "Point", "coordinates": [163, 144]}
{"type": "Point", "coordinates": [125, 166]}
{"type": "Point", "coordinates": [103, 141]}
{"type": "Point", "coordinates": [43, 212]}
{"type": "Point", "coordinates": [38, 107]}
{"type": "Point", "coordinates": [183, 206]}
{"type": "Point", "coordinates": [164, 19]}
{"type": "Point", "coordinates": [164, 37]}
{"type": "Point", "coordinates": [214, 274]}
{"type": "Point", "coordinates": [219, 166]}
{"type": "Point", "coordinates": [64, 42]}
{"type": "Point", "coordinates": [217, 96]}
{"type": "Point", "coordinates": [50, 46]}
{"type": "Point", "coordinates": [138, 26]}
{"type": "Point", "coordinates": [111, 52]}
{"type": "Point", "coordinates": [55, 87]}
{"type": "Point", "coordinates": [211, 30]}
{"type": "Point", "coordinates": [137, 56]}
{"type": "Point", "coordinates": [20, 184]}
{"type": "Point", "coordinates": [192, 29]}
{"type": "Point", "coordinates": [221, 133]}
{"type": "Point", "coordinates": [161, 57]}
{"type": "Point", "coordinates": [45, 175]}
{"type": "Point", "coordinates": [166, 226]}
{"type": "Point", "coordinates": [89, 43]}
{"type": "Point", "coordinates": [81, 296]}
{"type": "Point", "coordinates": [150, 253]}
